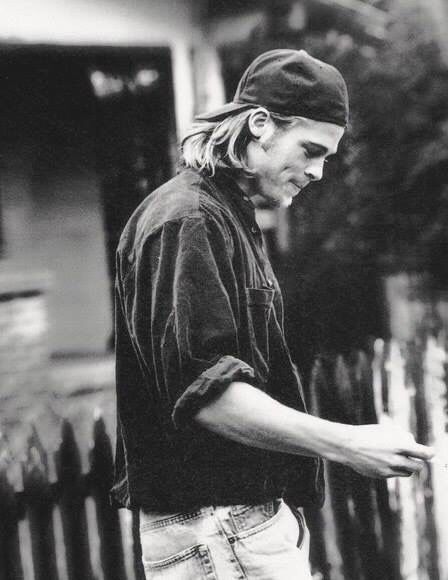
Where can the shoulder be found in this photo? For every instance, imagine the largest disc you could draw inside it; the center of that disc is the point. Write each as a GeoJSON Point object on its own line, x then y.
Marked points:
{"type": "Point", "coordinates": [174, 200]}
{"type": "Point", "coordinates": [185, 197]}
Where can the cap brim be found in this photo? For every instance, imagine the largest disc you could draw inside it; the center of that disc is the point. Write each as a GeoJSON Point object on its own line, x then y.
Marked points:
{"type": "Point", "coordinates": [223, 112]}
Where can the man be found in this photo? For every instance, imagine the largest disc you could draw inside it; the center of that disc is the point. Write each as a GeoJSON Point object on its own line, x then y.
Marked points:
{"type": "Point", "coordinates": [214, 446]}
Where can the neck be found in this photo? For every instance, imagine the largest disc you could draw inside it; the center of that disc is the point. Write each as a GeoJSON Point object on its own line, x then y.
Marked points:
{"type": "Point", "coordinates": [247, 184]}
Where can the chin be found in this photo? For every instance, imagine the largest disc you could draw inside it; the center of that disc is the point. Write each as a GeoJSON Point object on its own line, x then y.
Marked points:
{"type": "Point", "coordinates": [286, 202]}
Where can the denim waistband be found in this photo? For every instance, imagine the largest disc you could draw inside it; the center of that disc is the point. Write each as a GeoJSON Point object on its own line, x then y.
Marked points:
{"type": "Point", "coordinates": [226, 513]}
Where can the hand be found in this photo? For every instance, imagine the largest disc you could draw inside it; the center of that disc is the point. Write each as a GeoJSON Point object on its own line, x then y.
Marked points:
{"type": "Point", "coordinates": [382, 451]}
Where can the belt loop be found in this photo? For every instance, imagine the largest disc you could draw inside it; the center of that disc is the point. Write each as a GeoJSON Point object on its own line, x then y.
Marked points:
{"type": "Point", "coordinates": [269, 508]}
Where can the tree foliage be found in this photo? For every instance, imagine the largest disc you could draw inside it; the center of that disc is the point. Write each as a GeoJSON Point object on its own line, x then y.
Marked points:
{"type": "Point", "coordinates": [383, 206]}
{"type": "Point", "coordinates": [392, 202]}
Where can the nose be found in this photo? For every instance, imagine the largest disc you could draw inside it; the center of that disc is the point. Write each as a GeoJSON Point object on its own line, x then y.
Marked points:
{"type": "Point", "coordinates": [315, 170]}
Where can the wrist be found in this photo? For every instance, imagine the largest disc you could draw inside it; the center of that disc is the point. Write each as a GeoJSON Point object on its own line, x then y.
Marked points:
{"type": "Point", "coordinates": [340, 443]}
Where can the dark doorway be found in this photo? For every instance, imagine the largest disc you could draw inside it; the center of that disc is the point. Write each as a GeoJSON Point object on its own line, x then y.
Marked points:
{"type": "Point", "coordinates": [135, 126]}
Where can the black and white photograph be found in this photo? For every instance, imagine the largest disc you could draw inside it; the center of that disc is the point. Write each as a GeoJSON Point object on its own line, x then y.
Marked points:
{"type": "Point", "coordinates": [224, 290]}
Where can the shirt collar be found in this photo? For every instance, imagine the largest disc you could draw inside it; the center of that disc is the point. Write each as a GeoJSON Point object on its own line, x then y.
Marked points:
{"type": "Point", "coordinates": [227, 182]}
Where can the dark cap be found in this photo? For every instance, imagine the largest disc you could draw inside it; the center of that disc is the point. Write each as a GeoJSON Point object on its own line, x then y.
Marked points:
{"type": "Point", "coordinates": [290, 83]}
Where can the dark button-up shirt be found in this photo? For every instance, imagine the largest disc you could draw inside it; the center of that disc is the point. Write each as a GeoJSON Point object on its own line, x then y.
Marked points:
{"type": "Point", "coordinates": [197, 307]}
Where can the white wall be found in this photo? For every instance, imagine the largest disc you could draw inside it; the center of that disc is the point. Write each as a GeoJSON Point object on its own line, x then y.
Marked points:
{"type": "Point", "coordinates": [56, 226]}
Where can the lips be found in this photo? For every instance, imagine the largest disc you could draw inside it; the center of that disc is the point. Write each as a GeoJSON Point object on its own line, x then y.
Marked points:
{"type": "Point", "coordinates": [298, 188]}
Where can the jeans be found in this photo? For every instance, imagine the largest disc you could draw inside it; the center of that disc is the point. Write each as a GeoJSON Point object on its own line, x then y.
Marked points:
{"type": "Point", "coordinates": [237, 542]}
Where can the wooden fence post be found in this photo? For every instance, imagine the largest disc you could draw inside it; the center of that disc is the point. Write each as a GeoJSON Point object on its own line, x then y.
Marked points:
{"type": "Point", "coordinates": [71, 487]}
{"type": "Point", "coordinates": [100, 481]}
{"type": "Point", "coordinates": [423, 486]}
{"type": "Point", "coordinates": [402, 490]}
{"type": "Point", "coordinates": [389, 529]}
{"type": "Point", "coordinates": [10, 558]}
{"type": "Point", "coordinates": [341, 479]}
{"type": "Point", "coordinates": [365, 490]}
{"type": "Point", "coordinates": [39, 498]}
{"type": "Point", "coordinates": [325, 554]}
{"type": "Point", "coordinates": [435, 368]}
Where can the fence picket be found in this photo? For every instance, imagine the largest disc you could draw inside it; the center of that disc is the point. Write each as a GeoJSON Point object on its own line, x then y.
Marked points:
{"type": "Point", "coordinates": [422, 486]}
{"type": "Point", "coordinates": [390, 539]}
{"type": "Point", "coordinates": [39, 498]}
{"type": "Point", "coordinates": [343, 480]}
{"type": "Point", "coordinates": [401, 393]}
{"type": "Point", "coordinates": [364, 490]}
{"type": "Point", "coordinates": [72, 506]}
{"type": "Point", "coordinates": [363, 375]}
{"type": "Point", "coordinates": [100, 481]}
{"type": "Point", "coordinates": [325, 554]}
{"type": "Point", "coordinates": [435, 365]}
{"type": "Point", "coordinates": [10, 557]}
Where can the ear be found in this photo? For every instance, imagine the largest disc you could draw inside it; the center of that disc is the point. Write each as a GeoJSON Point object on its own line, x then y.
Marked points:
{"type": "Point", "coordinates": [260, 123]}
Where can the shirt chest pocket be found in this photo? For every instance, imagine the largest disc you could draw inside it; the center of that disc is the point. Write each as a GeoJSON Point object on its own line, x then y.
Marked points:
{"type": "Point", "coordinates": [259, 306]}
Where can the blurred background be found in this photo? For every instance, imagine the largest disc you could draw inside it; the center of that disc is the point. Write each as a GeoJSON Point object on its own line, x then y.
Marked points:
{"type": "Point", "coordinates": [94, 97]}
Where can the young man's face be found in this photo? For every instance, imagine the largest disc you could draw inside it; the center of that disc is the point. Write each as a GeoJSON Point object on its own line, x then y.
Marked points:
{"type": "Point", "coordinates": [285, 160]}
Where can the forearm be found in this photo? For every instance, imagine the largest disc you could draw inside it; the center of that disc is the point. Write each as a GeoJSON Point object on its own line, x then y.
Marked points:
{"type": "Point", "coordinates": [249, 416]}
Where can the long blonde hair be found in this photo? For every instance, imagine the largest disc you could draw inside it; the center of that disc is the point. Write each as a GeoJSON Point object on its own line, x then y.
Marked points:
{"type": "Point", "coordinates": [208, 143]}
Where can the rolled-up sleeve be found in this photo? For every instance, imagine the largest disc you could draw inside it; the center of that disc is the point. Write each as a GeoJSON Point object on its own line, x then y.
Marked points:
{"type": "Point", "coordinates": [185, 315]}
{"type": "Point", "coordinates": [208, 385]}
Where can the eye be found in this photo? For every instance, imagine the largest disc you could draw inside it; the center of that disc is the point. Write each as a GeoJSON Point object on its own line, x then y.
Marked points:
{"type": "Point", "coordinates": [312, 153]}
{"type": "Point", "coordinates": [309, 154]}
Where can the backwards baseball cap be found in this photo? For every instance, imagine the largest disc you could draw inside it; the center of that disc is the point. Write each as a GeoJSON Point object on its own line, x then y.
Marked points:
{"type": "Point", "coordinates": [290, 83]}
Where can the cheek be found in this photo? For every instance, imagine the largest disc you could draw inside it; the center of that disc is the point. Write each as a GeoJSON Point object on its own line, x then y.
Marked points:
{"type": "Point", "coordinates": [270, 168]}
{"type": "Point", "coordinates": [297, 165]}
{"type": "Point", "coordinates": [279, 163]}
{"type": "Point", "coordinates": [279, 172]}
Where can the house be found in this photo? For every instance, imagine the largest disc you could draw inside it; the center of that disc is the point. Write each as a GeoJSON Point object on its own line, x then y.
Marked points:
{"type": "Point", "coordinates": [93, 96]}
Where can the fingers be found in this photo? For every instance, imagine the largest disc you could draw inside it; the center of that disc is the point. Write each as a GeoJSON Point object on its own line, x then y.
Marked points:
{"type": "Point", "coordinates": [388, 451]}
{"type": "Point", "coordinates": [407, 466]}
{"type": "Point", "coordinates": [406, 441]}
{"type": "Point", "coordinates": [418, 451]}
